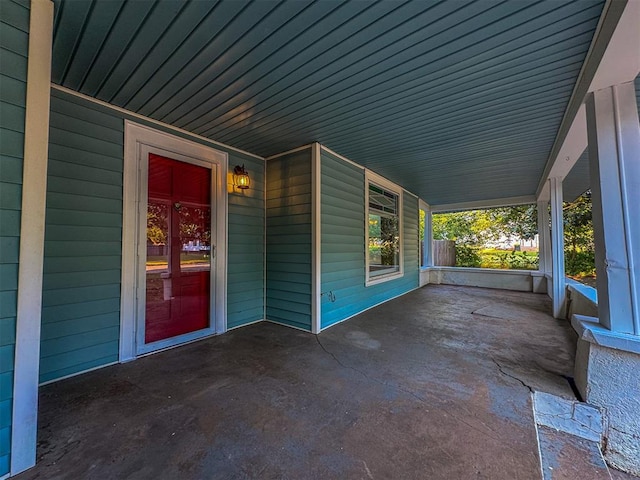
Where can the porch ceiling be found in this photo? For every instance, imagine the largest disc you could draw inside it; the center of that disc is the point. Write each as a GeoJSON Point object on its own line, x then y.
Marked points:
{"type": "Point", "coordinates": [457, 101]}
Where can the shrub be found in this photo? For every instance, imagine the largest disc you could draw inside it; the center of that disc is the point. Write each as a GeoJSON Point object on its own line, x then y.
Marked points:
{"type": "Point", "coordinates": [467, 256]}
{"type": "Point", "coordinates": [579, 263]}
{"type": "Point", "coordinates": [520, 261]}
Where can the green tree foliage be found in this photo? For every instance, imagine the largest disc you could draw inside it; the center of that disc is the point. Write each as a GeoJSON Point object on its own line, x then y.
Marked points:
{"type": "Point", "coordinates": [194, 224]}
{"type": "Point", "coordinates": [579, 250]}
{"type": "Point", "coordinates": [157, 223]}
{"type": "Point", "coordinates": [472, 229]}
{"type": "Point", "coordinates": [476, 227]}
{"type": "Point", "coordinates": [384, 238]}
{"type": "Point", "coordinates": [467, 256]}
{"type": "Point", "coordinates": [520, 221]}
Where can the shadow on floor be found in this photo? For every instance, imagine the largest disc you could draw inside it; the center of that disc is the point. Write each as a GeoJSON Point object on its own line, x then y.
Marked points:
{"type": "Point", "coordinates": [433, 385]}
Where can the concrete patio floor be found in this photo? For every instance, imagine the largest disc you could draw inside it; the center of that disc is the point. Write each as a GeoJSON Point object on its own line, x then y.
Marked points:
{"type": "Point", "coordinates": [433, 385]}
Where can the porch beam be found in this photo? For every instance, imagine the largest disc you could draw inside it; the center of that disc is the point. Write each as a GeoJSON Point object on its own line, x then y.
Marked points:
{"type": "Point", "coordinates": [34, 194]}
{"type": "Point", "coordinates": [614, 153]}
{"type": "Point", "coordinates": [481, 204]}
{"type": "Point", "coordinates": [559, 293]}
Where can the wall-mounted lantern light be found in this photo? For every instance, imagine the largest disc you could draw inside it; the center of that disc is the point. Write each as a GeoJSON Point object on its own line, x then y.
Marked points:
{"type": "Point", "coordinates": [240, 177]}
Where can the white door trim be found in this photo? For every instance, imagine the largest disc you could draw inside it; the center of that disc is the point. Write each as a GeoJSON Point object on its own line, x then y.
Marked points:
{"type": "Point", "coordinates": [136, 138]}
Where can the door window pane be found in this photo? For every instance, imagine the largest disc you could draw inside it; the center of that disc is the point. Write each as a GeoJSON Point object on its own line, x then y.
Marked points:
{"type": "Point", "coordinates": [157, 237]}
{"type": "Point", "coordinates": [195, 238]}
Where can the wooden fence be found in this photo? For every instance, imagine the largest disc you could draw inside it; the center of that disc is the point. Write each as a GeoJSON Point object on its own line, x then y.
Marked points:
{"type": "Point", "coordinates": [444, 253]}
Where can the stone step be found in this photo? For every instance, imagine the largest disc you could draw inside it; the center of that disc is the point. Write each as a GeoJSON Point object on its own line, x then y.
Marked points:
{"type": "Point", "coordinates": [567, 457]}
{"type": "Point", "coordinates": [569, 437]}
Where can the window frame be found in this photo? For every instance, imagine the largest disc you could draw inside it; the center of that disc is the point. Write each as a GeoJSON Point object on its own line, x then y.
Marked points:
{"type": "Point", "coordinates": [381, 182]}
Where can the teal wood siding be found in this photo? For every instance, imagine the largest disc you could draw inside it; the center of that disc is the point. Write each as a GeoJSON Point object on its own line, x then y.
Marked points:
{"type": "Point", "coordinates": [245, 270]}
{"type": "Point", "coordinates": [14, 43]}
{"type": "Point", "coordinates": [343, 244]}
{"type": "Point", "coordinates": [289, 239]}
{"type": "Point", "coordinates": [83, 235]}
{"type": "Point", "coordinates": [83, 239]}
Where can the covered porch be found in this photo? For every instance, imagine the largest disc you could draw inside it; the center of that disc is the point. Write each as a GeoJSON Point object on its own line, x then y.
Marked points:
{"type": "Point", "coordinates": [435, 384]}
{"type": "Point", "coordinates": [347, 122]}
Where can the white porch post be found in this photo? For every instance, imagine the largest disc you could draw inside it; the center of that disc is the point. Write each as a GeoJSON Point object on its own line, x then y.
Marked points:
{"type": "Point", "coordinates": [558, 293]}
{"type": "Point", "coordinates": [428, 238]}
{"type": "Point", "coordinates": [541, 281]}
{"type": "Point", "coordinates": [544, 237]}
{"type": "Point", "coordinates": [614, 154]}
{"type": "Point", "coordinates": [608, 353]}
{"type": "Point", "coordinates": [426, 249]}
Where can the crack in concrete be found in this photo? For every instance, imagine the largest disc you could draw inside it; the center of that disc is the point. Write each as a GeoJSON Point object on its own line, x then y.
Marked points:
{"type": "Point", "coordinates": [486, 316]}
{"type": "Point", "coordinates": [475, 310]}
{"type": "Point", "coordinates": [501, 370]}
{"type": "Point", "coordinates": [364, 374]}
{"type": "Point", "coordinates": [572, 418]}
{"type": "Point", "coordinates": [367, 470]}
{"type": "Point", "coordinates": [412, 394]}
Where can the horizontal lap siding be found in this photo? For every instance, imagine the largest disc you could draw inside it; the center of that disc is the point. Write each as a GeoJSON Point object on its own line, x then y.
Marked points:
{"type": "Point", "coordinates": [245, 290]}
{"type": "Point", "coordinates": [14, 41]}
{"type": "Point", "coordinates": [289, 239]}
{"type": "Point", "coordinates": [411, 234]}
{"type": "Point", "coordinates": [342, 255]}
{"type": "Point", "coordinates": [343, 244]}
{"type": "Point", "coordinates": [83, 240]}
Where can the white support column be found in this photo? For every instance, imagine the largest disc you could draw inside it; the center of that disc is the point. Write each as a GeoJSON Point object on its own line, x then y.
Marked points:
{"type": "Point", "coordinates": [614, 155]}
{"type": "Point", "coordinates": [428, 238]}
{"type": "Point", "coordinates": [608, 354]}
{"type": "Point", "coordinates": [544, 237]}
{"type": "Point", "coordinates": [542, 280]}
{"type": "Point", "coordinates": [559, 293]}
{"type": "Point", "coordinates": [34, 192]}
{"type": "Point", "coordinates": [426, 248]}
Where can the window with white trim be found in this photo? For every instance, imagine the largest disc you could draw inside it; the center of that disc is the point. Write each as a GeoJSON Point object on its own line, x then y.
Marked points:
{"type": "Point", "coordinates": [384, 227]}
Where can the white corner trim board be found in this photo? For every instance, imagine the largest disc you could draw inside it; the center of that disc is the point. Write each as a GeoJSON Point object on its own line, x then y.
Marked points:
{"type": "Point", "coordinates": [31, 259]}
{"type": "Point", "coordinates": [316, 235]}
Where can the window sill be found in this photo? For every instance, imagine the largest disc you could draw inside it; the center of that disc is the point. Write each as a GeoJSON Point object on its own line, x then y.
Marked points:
{"type": "Point", "coordinates": [383, 278]}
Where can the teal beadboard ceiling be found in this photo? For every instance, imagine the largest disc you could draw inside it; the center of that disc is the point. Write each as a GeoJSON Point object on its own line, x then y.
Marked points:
{"type": "Point", "coordinates": [455, 100]}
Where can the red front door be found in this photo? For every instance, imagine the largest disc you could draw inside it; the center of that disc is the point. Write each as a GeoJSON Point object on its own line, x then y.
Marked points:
{"type": "Point", "coordinates": [178, 262]}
